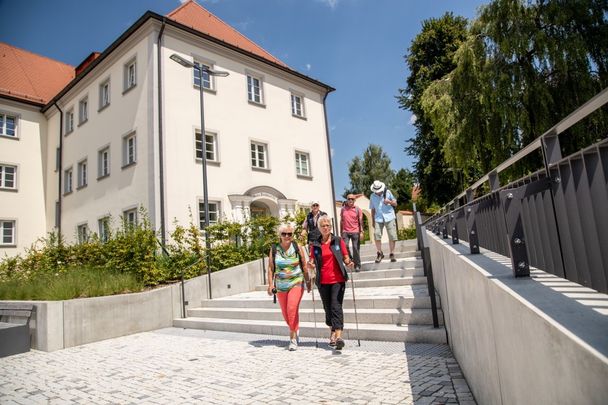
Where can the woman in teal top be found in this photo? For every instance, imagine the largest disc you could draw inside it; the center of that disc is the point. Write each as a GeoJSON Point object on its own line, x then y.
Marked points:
{"type": "Point", "coordinates": [288, 272]}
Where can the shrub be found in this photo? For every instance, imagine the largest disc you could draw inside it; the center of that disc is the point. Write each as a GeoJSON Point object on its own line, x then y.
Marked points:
{"type": "Point", "coordinates": [406, 233]}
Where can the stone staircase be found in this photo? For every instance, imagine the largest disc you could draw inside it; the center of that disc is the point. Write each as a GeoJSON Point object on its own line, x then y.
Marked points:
{"type": "Point", "coordinates": [391, 298]}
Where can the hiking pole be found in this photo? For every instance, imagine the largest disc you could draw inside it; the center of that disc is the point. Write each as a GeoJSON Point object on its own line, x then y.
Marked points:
{"type": "Point", "coordinates": [352, 284]}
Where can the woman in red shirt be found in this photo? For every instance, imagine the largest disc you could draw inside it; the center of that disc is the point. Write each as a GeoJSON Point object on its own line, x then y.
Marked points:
{"type": "Point", "coordinates": [331, 259]}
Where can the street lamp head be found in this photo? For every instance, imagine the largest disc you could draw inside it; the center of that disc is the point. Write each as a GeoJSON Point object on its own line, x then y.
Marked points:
{"type": "Point", "coordinates": [219, 73]}
{"type": "Point", "coordinates": [182, 61]}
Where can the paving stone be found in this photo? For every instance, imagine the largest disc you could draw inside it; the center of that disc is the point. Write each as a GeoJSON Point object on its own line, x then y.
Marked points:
{"type": "Point", "coordinates": [194, 366]}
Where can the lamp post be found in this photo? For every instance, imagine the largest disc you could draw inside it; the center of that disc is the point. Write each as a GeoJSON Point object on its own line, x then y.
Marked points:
{"type": "Point", "coordinates": [201, 68]}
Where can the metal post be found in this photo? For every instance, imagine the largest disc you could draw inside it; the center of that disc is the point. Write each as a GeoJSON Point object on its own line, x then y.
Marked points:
{"type": "Point", "coordinates": [205, 195]}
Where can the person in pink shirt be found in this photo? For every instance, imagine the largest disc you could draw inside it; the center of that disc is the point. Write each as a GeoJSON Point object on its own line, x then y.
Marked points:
{"type": "Point", "coordinates": [351, 228]}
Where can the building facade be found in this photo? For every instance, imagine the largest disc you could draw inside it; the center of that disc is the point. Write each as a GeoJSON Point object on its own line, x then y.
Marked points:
{"type": "Point", "coordinates": [124, 132]}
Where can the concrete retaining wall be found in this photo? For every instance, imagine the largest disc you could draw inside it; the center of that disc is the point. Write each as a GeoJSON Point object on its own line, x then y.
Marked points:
{"type": "Point", "coordinates": [60, 324]}
{"type": "Point", "coordinates": [537, 340]}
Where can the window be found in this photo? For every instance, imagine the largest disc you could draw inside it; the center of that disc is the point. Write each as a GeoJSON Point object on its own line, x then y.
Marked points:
{"type": "Point", "coordinates": [68, 175]}
{"type": "Point", "coordinates": [130, 218]}
{"type": "Point", "coordinates": [8, 177]}
{"type": "Point", "coordinates": [130, 73]}
{"type": "Point", "coordinates": [83, 110]}
{"type": "Point", "coordinates": [103, 162]}
{"type": "Point", "coordinates": [7, 232]}
{"type": "Point", "coordinates": [82, 232]}
{"type": "Point", "coordinates": [254, 89]}
{"type": "Point", "coordinates": [214, 213]}
{"type": "Point", "coordinates": [207, 81]}
{"type": "Point", "coordinates": [129, 150]}
{"type": "Point", "coordinates": [104, 94]}
{"type": "Point", "coordinates": [258, 155]}
{"type": "Point", "coordinates": [297, 105]}
{"type": "Point", "coordinates": [210, 146]}
{"type": "Point", "coordinates": [8, 125]}
{"type": "Point", "coordinates": [69, 121]}
{"type": "Point", "coordinates": [104, 228]}
{"type": "Point", "coordinates": [82, 174]}
{"type": "Point", "coordinates": [302, 164]}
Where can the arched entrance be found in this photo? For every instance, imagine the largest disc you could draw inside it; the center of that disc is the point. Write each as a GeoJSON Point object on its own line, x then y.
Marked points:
{"type": "Point", "coordinates": [258, 209]}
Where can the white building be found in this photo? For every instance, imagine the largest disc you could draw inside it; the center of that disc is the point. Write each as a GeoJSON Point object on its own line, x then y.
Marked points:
{"type": "Point", "coordinates": [122, 130]}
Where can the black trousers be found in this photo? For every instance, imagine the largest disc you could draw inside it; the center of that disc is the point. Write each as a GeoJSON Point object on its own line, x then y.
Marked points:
{"type": "Point", "coordinates": [332, 296]}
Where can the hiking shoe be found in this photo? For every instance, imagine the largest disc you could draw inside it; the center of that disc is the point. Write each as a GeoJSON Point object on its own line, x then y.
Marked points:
{"type": "Point", "coordinates": [392, 256]}
{"type": "Point", "coordinates": [293, 345]}
{"type": "Point", "coordinates": [339, 344]}
{"type": "Point", "coordinates": [379, 257]}
{"type": "Point", "coordinates": [357, 269]}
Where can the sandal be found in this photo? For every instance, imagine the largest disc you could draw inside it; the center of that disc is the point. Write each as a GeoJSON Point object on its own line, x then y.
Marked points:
{"type": "Point", "coordinates": [332, 341]}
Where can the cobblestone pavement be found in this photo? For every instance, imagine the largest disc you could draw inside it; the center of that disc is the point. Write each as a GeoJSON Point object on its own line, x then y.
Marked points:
{"type": "Point", "coordinates": [180, 366]}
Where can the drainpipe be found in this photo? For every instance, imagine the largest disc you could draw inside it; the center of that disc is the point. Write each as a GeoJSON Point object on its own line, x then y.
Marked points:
{"type": "Point", "coordinates": [160, 138]}
{"type": "Point", "coordinates": [331, 170]}
{"type": "Point", "coordinates": [59, 163]}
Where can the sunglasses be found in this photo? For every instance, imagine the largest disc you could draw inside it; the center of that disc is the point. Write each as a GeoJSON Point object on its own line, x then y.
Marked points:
{"type": "Point", "coordinates": [287, 234]}
{"type": "Point", "coordinates": [315, 205]}
{"type": "Point", "coordinates": [350, 199]}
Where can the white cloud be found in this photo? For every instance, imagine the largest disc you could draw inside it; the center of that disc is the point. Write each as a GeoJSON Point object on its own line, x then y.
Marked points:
{"type": "Point", "coordinates": [413, 119]}
{"type": "Point", "coordinates": [330, 3]}
{"type": "Point", "coordinates": [332, 152]}
{"type": "Point", "coordinates": [308, 66]}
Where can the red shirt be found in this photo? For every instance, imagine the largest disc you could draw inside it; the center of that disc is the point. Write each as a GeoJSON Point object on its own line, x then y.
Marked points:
{"type": "Point", "coordinates": [350, 222]}
{"type": "Point", "coordinates": [330, 272]}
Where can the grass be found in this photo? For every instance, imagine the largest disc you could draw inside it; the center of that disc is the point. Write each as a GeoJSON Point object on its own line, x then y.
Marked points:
{"type": "Point", "coordinates": [74, 283]}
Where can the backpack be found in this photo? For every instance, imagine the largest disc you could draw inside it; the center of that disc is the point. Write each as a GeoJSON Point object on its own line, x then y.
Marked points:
{"type": "Point", "coordinates": [357, 211]}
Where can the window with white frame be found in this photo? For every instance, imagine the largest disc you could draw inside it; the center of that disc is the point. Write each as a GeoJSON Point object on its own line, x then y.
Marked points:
{"type": "Point", "coordinates": [83, 110]}
{"type": "Point", "coordinates": [130, 74]}
{"type": "Point", "coordinates": [302, 164]}
{"type": "Point", "coordinates": [82, 232]}
{"type": "Point", "coordinates": [83, 172]}
{"type": "Point", "coordinates": [68, 176]}
{"type": "Point", "coordinates": [254, 89]}
{"type": "Point", "coordinates": [104, 94]}
{"type": "Point", "coordinates": [259, 155]}
{"type": "Point", "coordinates": [8, 177]}
{"type": "Point", "coordinates": [210, 146]}
{"type": "Point", "coordinates": [69, 121]}
{"type": "Point", "coordinates": [103, 225]}
{"type": "Point", "coordinates": [130, 217]}
{"type": "Point", "coordinates": [297, 105]}
{"type": "Point", "coordinates": [129, 150]}
{"type": "Point", "coordinates": [207, 79]}
{"type": "Point", "coordinates": [8, 125]}
{"type": "Point", "coordinates": [103, 162]}
{"type": "Point", "coordinates": [7, 232]}
{"type": "Point", "coordinates": [214, 213]}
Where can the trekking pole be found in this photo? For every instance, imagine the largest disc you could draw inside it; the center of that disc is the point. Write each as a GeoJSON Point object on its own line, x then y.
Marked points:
{"type": "Point", "coordinates": [314, 311]}
{"type": "Point", "coordinates": [352, 284]}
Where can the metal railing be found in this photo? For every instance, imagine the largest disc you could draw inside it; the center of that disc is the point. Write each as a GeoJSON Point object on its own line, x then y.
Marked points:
{"type": "Point", "coordinates": [423, 247]}
{"type": "Point", "coordinates": [555, 219]}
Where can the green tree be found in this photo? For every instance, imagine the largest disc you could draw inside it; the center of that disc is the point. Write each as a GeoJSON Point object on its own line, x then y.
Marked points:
{"type": "Point", "coordinates": [401, 187]}
{"type": "Point", "coordinates": [524, 67]}
{"type": "Point", "coordinates": [430, 58]}
{"type": "Point", "coordinates": [374, 164]}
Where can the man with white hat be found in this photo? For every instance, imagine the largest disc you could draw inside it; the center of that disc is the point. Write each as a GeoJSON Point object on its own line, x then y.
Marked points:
{"type": "Point", "coordinates": [381, 203]}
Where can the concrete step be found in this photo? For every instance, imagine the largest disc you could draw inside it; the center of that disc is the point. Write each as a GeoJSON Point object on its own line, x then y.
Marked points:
{"type": "Point", "coordinates": [370, 257]}
{"type": "Point", "coordinates": [374, 282]}
{"type": "Point", "coordinates": [365, 331]}
{"type": "Point", "coordinates": [395, 297]}
{"type": "Point", "coordinates": [364, 315]}
{"type": "Point", "coordinates": [406, 263]}
{"type": "Point", "coordinates": [400, 246]}
{"type": "Point", "coordinates": [366, 274]}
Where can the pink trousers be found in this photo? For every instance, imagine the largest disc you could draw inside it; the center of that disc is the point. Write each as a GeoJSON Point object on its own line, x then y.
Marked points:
{"type": "Point", "coordinates": [290, 305]}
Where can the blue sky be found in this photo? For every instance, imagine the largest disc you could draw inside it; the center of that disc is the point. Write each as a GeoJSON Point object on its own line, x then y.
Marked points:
{"type": "Point", "coordinates": [355, 46]}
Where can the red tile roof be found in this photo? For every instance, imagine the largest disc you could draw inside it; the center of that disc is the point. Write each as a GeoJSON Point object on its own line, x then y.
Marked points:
{"type": "Point", "coordinates": [193, 15]}
{"type": "Point", "coordinates": [30, 77]}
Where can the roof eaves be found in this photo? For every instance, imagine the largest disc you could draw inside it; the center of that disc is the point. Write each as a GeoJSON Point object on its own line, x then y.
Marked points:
{"type": "Point", "coordinates": [158, 17]}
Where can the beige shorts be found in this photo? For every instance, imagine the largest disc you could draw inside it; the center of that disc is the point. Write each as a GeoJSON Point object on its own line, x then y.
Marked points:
{"type": "Point", "coordinates": [391, 230]}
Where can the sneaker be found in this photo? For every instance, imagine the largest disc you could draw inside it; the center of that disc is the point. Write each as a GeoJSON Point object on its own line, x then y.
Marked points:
{"type": "Point", "coordinates": [339, 344]}
{"type": "Point", "coordinates": [357, 269]}
{"type": "Point", "coordinates": [293, 345]}
{"type": "Point", "coordinates": [392, 256]}
{"type": "Point", "coordinates": [379, 257]}
{"type": "Point", "coordinates": [332, 343]}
